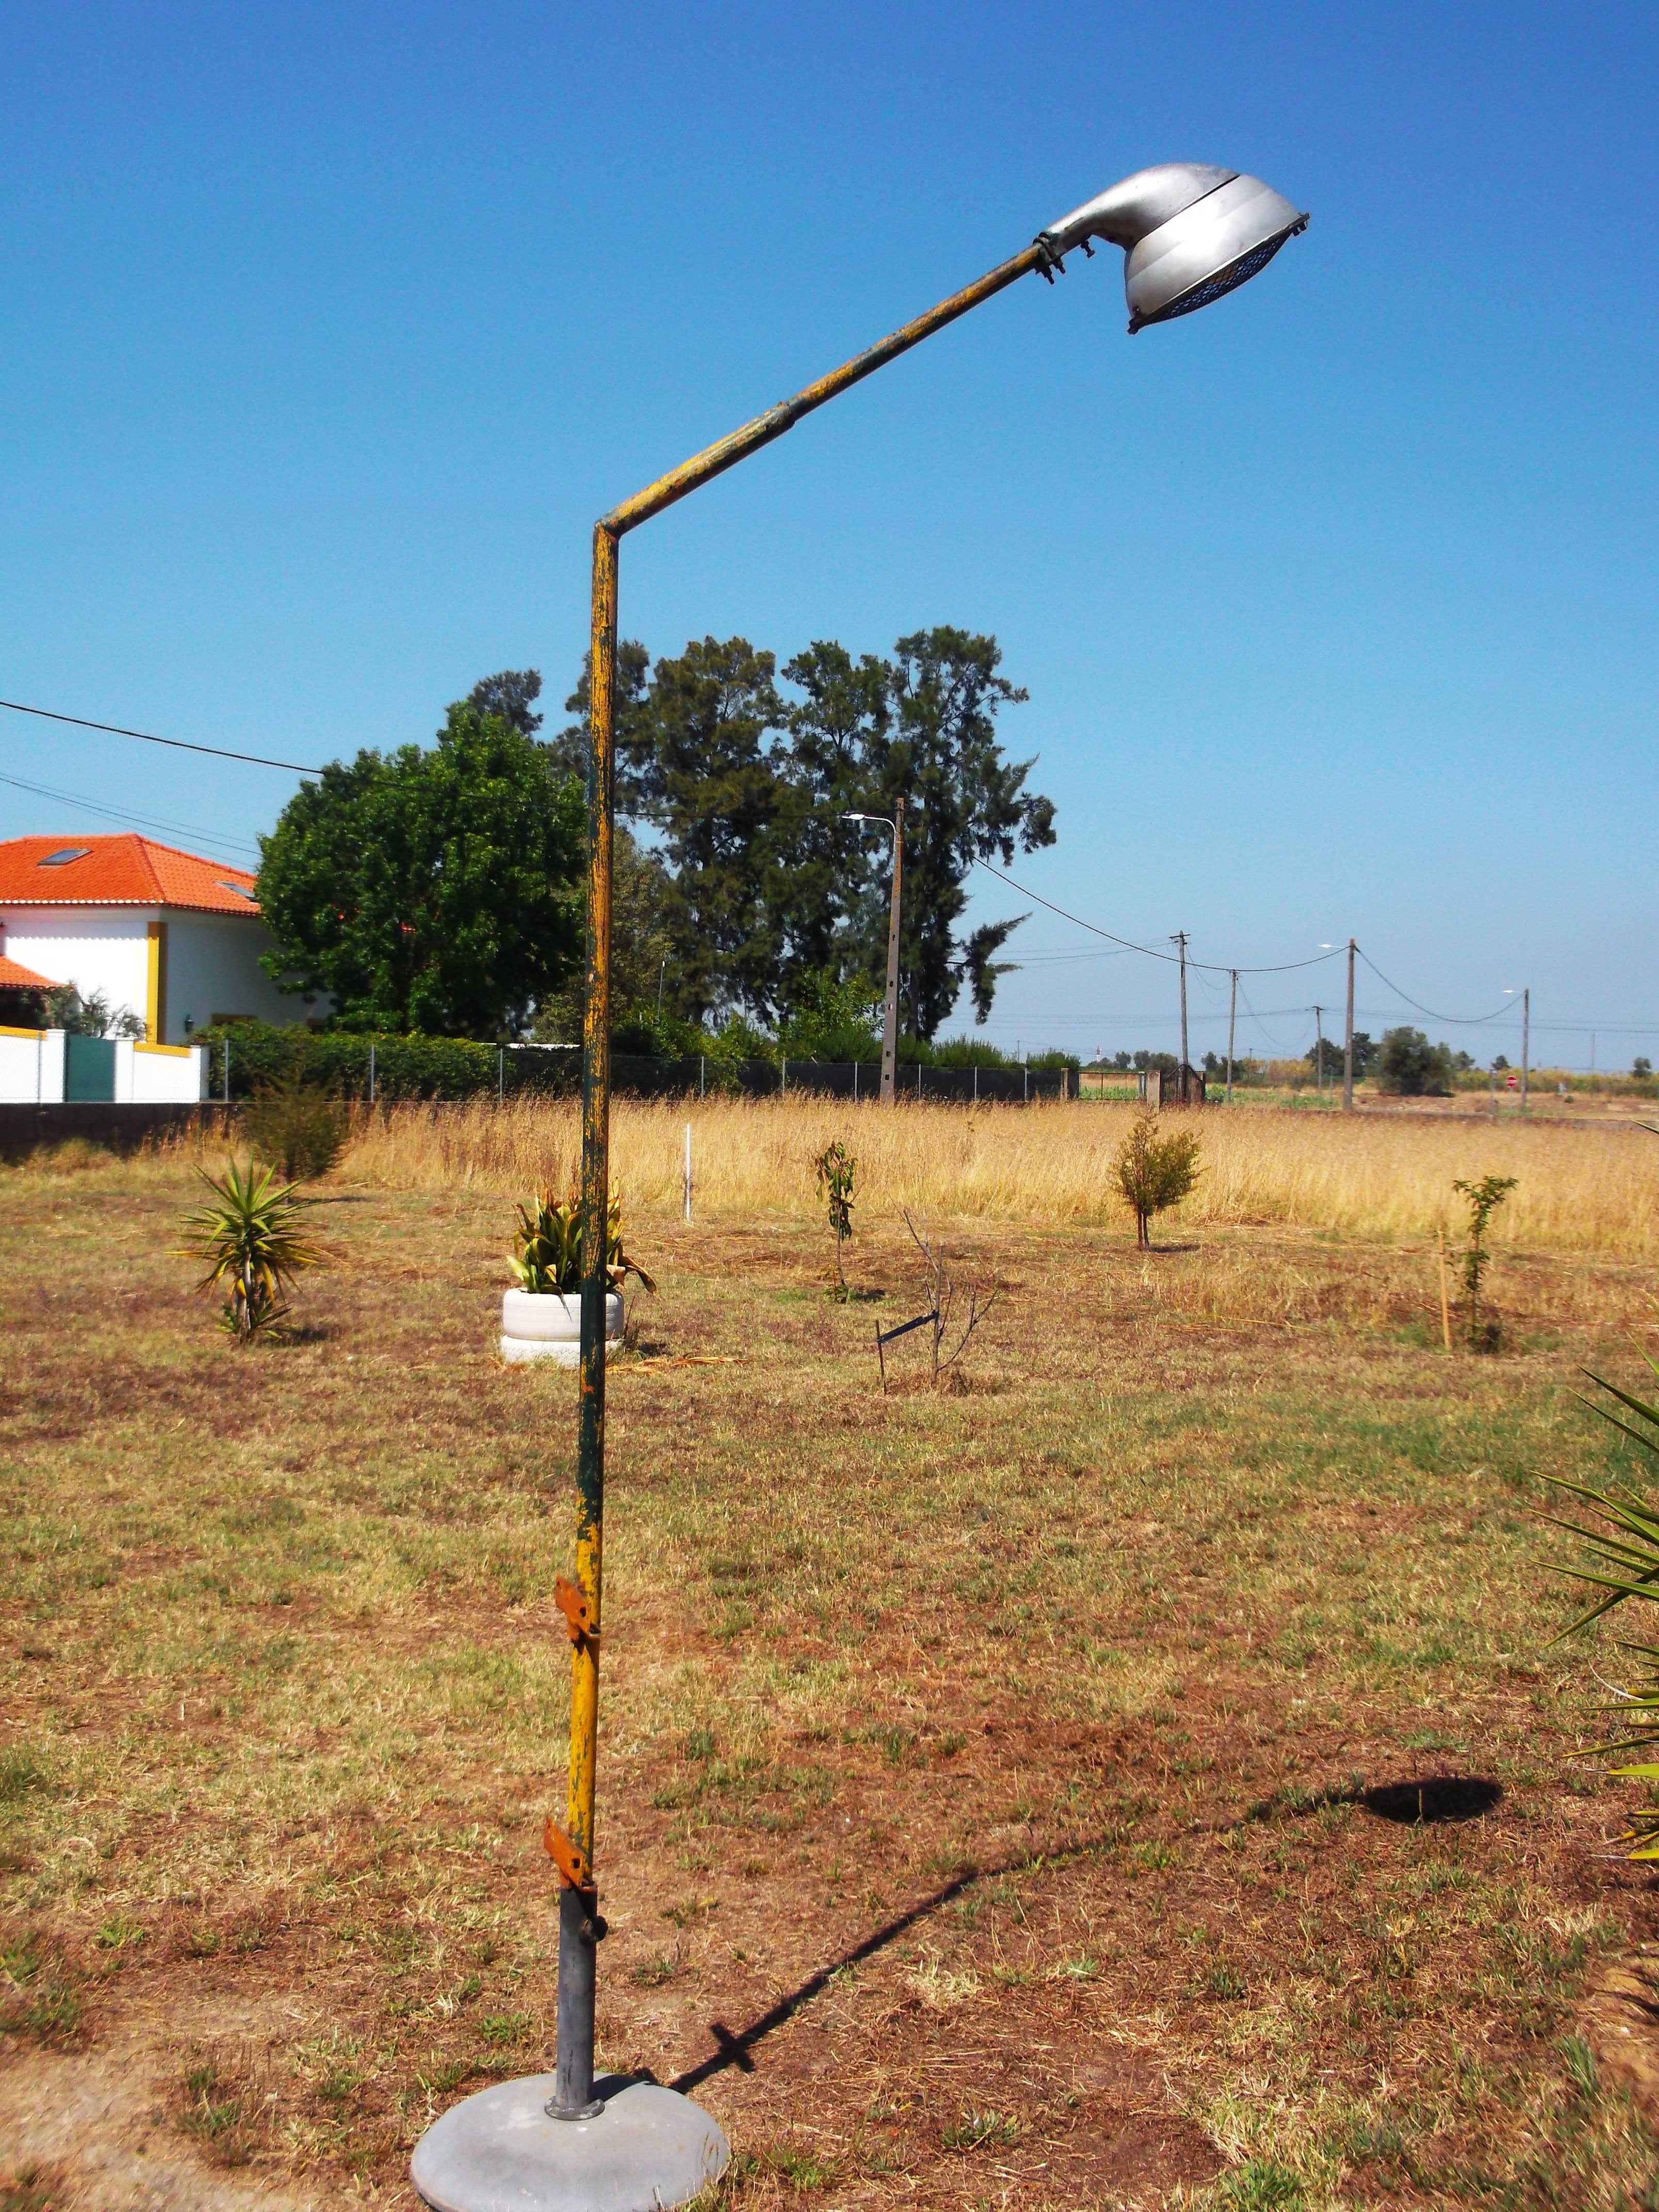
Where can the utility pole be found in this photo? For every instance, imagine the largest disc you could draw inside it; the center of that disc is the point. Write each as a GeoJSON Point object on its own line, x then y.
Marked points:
{"type": "Point", "coordinates": [1319, 1051]}
{"type": "Point", "coordinates": [1347, 1049]}
{"type": "Point", "coordinates": [890, 1018]}
{"type": "Point", "coordinates": [890, 1021]}
{"type": "Point", "coordinates": [1525, 1043]}
{"type": "Point", "coordinates": [1232, 1024]}
{"type": "Point", "coordinates": [1180, 939]}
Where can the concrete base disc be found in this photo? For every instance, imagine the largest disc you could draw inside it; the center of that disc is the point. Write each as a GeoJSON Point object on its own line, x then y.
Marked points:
{"type": "Point", "coordinates": [646, 2149]}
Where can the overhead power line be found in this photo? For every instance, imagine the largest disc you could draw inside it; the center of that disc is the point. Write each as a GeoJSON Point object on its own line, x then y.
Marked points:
{"type": "Point", "coordinates": [1216, 967]}
{"type": "Point", "coordinates": [133, 821]}
{"type": "Point", "coordinates": [1457, 1021]}
{"type": "Point", "coordinates": [177, 745]}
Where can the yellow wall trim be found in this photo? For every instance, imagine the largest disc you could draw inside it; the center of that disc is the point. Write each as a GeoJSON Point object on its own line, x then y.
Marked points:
{"type": "Point", "coordinates": [27, 1033]}
{"type": "Point", "coordinates": [155, 991]}
{"type": "Point", "coordinates": [168, 1051]}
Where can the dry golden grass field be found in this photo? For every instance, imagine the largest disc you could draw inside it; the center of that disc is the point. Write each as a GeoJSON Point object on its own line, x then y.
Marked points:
{"type": "Point", "coordinates": [998, 1800]}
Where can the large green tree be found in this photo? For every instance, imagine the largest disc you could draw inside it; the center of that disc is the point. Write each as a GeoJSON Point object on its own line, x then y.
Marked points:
{"type": "Point", "coordinates": [772, 896]}
{"type": "Point", "coordinates": [963, 802]}
{"type": "Point", "coordinates": [431, 889]}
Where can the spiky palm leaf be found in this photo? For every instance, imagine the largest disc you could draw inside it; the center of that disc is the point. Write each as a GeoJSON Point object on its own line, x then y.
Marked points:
{"type": "Point", "coordinates": [1623, 1540]}
{"type": "Point", "coordinates": [548, 1246]}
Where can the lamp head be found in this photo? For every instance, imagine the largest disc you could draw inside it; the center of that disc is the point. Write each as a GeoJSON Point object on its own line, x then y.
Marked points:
{"type": "Point", "coordinates": [1190, 235]}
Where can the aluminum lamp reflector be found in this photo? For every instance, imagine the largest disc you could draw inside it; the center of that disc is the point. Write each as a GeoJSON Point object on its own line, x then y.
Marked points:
{"type": "Point", "coordinates": [1190, 235]}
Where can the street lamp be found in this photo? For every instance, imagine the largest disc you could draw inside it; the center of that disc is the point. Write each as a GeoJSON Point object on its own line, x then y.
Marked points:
{"type": "Point", "coordinates": [1190, 233]}
{"type": "Point", "coordinates": [889, 1017]}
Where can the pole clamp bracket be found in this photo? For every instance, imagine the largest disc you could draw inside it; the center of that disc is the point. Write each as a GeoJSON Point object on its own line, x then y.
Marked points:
{"type": "Point", "coordinates": [576, 1876]}
{"type": "Point", "coordinates": [570, 1859]}
{"type": "Point", "coordinates": [578, 1613]}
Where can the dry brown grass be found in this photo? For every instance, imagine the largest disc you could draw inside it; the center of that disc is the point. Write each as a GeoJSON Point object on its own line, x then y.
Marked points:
{"type": "Point", "coordinates": [1591, 1191]}
{"type": "Point", "coordinates": [1051, 1696]}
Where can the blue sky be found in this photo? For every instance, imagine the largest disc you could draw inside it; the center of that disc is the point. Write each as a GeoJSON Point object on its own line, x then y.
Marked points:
{"type": "Point", "coordinates": [329, 330]}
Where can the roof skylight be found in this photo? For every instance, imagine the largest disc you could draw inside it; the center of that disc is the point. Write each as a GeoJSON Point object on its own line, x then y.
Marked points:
{"type": "Point", "coordinates": [63, 855]}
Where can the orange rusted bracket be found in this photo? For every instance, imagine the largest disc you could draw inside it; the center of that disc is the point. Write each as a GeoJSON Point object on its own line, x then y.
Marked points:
{"type": "Point", "coordinates": [577, 1610]}
{"type": "Point", "coordinates": [571, 1861]}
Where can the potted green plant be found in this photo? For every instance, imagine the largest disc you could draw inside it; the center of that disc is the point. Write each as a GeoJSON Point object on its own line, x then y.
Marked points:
{"type": "Point", "coordinates": [542, 1318]}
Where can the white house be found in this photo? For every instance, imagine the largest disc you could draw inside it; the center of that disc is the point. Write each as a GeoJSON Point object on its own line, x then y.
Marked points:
{"type": "Point", "coordinates": [165, 935]}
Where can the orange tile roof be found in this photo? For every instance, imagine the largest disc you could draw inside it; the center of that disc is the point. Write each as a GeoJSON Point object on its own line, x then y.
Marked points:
{"type": "Point", "coordinates": [124, 871]}
{"type": "Point", "coordinates": [14, 976]}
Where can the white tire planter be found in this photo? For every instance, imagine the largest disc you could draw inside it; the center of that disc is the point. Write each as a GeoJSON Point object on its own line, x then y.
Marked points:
{"type": "Point", "coordinates": [548, 1325]}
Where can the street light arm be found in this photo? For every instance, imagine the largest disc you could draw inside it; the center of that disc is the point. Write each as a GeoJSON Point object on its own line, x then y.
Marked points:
{"type": "Point", "coordinates": [725, 453]}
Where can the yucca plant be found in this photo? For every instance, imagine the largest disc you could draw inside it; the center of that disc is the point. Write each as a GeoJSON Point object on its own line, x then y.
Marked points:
{"type": "Point", "coordinates": [547, 1246]}
{"type": "Point", "coordinates": [1623, 1563]}
{"type": "Point", "coordinates": [253, 1239]}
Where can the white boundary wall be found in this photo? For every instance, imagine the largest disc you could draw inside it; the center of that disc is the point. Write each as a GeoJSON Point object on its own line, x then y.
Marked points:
{"type": "Point", "coordinates": [31, 1067]}
{"type": "Point", "coordinates": [160, 1075]}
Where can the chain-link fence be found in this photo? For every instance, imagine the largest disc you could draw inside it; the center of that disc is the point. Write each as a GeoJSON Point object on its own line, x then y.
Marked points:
{"type": "Point", "coordinates": [558, 1068]}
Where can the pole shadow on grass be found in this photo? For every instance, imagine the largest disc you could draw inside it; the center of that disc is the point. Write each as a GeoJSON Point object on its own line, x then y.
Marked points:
{"type": "Point", "coordinates": [735, 2044]}
{"type": "Point", "coordinates": [1436, 1798]}
{"type": "Point", "coordinates": [1440, 1797]}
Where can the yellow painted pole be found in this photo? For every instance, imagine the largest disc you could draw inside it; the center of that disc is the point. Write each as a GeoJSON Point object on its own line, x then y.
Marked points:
{"type": "Point", "coordinates": [579, 1925]}
{"type": "Point", "coordinates": [571, 1847]}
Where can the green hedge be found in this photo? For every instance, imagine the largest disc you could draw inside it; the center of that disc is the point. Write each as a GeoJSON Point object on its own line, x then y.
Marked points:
{"type": "Point", "coordinates": [338, 1062]}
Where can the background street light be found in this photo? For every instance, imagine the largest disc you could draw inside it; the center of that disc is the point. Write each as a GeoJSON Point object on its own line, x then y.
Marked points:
{"type": "Point", "coordinates": [890, 1015]}
{"type": "Point", "coordinates": [1190, 235]}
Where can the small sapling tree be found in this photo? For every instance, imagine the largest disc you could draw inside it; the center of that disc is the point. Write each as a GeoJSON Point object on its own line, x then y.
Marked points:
{"type": "Point", "coordinates": [298, 1128]}
{"type": "Point", "coordinates": [836, 1167]}
{"type": "Point", "coordinates": [1484, 1198]}
{"type": "Point", "coordinates": [944, 1314]}
{"type": "Point", "coordinates": [1153, 1172]}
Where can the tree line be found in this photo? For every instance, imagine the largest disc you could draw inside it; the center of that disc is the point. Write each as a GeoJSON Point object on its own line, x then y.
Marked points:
{"type": "Point", "coordinates": [438, 888]}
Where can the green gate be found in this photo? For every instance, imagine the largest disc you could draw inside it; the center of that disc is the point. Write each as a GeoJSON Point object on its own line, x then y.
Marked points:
{"type": "Point", "coordinates": [89, 1070]}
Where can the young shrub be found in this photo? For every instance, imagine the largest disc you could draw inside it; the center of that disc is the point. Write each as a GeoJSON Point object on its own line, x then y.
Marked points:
{"type": "Point", "coordinates": [1484, 1198]}
{"type": "Point", "coordinates": [253, 1239]}
{"type": "Point", "coordinates": [835, 1166]}
{"type": "Point", "coordinates": [547, 1245]}
{"type": "Point", "coordinates": [1153, 1172]}
{"type": "Point", "coordinates": [296, 1127]}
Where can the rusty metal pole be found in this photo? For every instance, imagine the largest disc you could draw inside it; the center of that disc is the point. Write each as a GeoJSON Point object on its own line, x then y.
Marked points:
{"type": "Point", "coordinates": [579, 1925]}
{"type": "Point", "coordinates": [571, 1847]}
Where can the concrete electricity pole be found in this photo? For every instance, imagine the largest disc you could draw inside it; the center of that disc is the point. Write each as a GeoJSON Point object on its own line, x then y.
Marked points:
{"type": "Point", "coordinates": [890, 1018]}
{"type": "Point", "coordinates": [1347, 1049]}
{"type": "Point", "coordinates": [1525, 1043]}
{"type": "Point", "coordinates": [1180, 939]}
{"type": "Point", "coordinates": [1319, 1050]}
{"type": "Point", "coordinates": [1232, 1024]}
